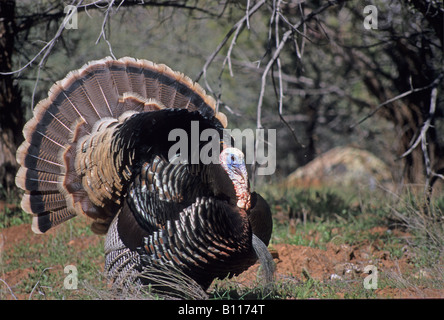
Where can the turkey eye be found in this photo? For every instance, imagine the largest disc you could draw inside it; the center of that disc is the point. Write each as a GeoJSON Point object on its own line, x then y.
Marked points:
{"type": "Point", "coordinates": [232, 158]}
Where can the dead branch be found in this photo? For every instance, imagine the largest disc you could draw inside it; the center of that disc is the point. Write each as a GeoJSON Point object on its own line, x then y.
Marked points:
{"type": "Point", "coordinates": [278, 50]}
{"type": "Point", "coordinates": [237, 26]}
{"type": "Point", "coordinates": [422, 138]}
{"type": "Point", "coordinates": [45, 52]}
{"type": "Point", "coordinates": [426, 125]}
{"type": "Point", "coordinates": [400, 96]}
{"type": "Point", "coordinates": [47, 48]}
{"type": "Point", "coordinates": [102, 32]}
{"type": "Point", "coordinates": [279, 76]}
{"type": "Point", "coordinates": [9, 289]}
{"type": "Point", "coordinates": [280, 44]}
{"type": "Point", "coordinates": [37, 285]}
{"type": "Point", "coordinates": [164, 4]}
{"type": "Point", "coordinates": [45, 16]}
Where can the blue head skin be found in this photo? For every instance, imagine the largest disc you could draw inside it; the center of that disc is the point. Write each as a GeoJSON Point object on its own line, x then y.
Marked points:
{"type": "Point", "coordinates": [233, 162]}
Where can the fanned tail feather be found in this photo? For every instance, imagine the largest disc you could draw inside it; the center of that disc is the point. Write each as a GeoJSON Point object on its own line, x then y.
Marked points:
{"type": "Point", "coordinates": [90, 102]}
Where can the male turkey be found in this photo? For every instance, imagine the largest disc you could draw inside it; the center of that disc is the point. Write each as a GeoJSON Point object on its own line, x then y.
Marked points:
{"type": "Point", "coordinates": [99, 146]}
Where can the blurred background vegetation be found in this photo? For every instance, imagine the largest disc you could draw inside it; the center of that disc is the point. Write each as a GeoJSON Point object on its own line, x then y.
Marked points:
{"type": "Point", "coordinates": [312, 67]}
{"type": "Point", "coordinates": [309, 69]}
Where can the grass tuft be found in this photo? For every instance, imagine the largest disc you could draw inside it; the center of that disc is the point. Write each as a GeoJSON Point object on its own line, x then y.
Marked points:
{"type": "Point", "coordinates": [401, 234]}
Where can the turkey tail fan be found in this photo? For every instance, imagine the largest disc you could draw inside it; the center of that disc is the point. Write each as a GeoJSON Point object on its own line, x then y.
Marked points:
{"type": "Point", "coordinates": [79, 116]}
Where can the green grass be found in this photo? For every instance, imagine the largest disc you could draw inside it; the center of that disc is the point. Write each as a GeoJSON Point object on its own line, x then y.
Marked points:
{"type": "Point", "coordinates": [312, 218]}
{"type": "Point", "coordinates": [41, 265]}
{"type": "Point", "coordinates": [13, 215]}
{"type": "Point", "coordinates": [316, 218]}
{"type": "Point", "coordinates": [293, 288]}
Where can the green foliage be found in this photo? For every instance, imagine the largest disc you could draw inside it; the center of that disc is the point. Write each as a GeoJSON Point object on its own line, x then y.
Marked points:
{"type": "Point", "coordinates": [343, 218]}
{"type": "Point", "coordinates": [335, 71]}
{"type": "Point", "coordinates": [347, 218]}
{"type": "Point", "coordinates": [13, 217]}
{"type": "Point", "coordinates": [343, 72]}
{"type": "Point", "coordinates": [11, 214]}
{"type": "Point", "coordinates": [424, 218]}
{"type": "Point", "coordinates": [42, 264]}
{"type": "Point", "coordinates": [292, 288]}
{"type": "Point", "coordinates": [300, 214]}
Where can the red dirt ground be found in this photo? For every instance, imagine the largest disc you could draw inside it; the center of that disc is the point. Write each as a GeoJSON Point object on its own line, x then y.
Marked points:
{"type": "Point", "coordinates": [341, 263]}
{"type": "Point", "coordinates": [338, 262]}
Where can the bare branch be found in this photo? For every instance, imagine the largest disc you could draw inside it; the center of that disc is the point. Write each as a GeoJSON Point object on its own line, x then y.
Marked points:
{"type": "Point", "coordinates": [280, 82]}
{"type": "Point", "coordinates": [400, 96]}
{"type": "Point", "coordinates": [265, 74]}
{"type": "Point", "coordinates": [48, 48]}
{"type": "Point", "coordinates": [274, 59]}
{"type": "Point", "coordinates": [47, 15]}
{"type": "Point", "coordinates": [247, 14]}
{"type": "Point", "coordinates": [103, 32]}
{"type": "Point", "coordinates": [280, 44]}
{"type": "Point", "coordinates": [230, 50]}
{"type": "Point", "coordinates": [239, 24]}
{"type": "Point", "coordinates": [422, 138]}
{"type": "Point", "coordinates": [9, 288]}
{"type": "Point", "coordinates": [127, 3]}
{"type": "Point", "coordinates": [278, 50]}
{"type": "Point", "coordinates": [37, 285]}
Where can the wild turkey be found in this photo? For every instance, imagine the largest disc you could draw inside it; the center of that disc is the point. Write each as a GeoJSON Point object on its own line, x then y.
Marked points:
{"type": "Point", "coordinates": [98, 146]}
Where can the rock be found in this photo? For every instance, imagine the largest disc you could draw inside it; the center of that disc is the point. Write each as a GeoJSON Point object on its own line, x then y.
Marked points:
{"type": "Point", "coordinates": [348, 270]}
{"type": "Point", "coordinates": [342, 166]}
{"type": "Point", "coordinates": [335, 276]}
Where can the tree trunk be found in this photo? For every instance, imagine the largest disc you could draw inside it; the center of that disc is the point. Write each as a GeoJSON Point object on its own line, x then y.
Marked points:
{"type": "Point", "coordinates": [11, 112]}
